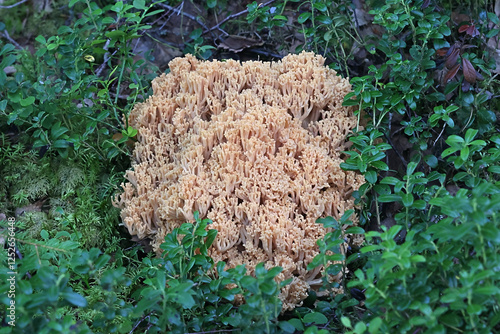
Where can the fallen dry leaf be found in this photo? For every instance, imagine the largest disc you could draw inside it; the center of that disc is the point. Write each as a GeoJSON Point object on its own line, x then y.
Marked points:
{"type": "Point", "coordinates": [238, 43]}
{"type": "Point", "coordinates": [451, 73]}
{"type": "Point", "coordinates": [469, 71]}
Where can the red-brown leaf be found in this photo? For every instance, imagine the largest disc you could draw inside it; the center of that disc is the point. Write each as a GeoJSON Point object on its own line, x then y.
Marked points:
{"type": "Point", "coordinates": [452, 58]}
{"type": "Point", "coordinates": [472, 31]}
{"type": "Point", "coordinates": [451, 73]}
{"type": "Point", "coordinates": [463, 28]}
{"type": "Point", "coordinates": [452, 48]}
{"type": "Point", "coordinates": [469, 71]}
{"type": "Point", "coordinates": [442, 52]}
{"type": "Point", "coordinates": [467, 46]}
{"type": "Point", "coordinates": [117, 136]}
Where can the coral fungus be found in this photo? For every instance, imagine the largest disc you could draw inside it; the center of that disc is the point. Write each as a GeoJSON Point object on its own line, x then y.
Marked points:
{"type": "Point", "coordinates": [255, 147]}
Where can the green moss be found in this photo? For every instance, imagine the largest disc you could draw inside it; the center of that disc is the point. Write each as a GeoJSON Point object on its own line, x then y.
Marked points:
{"type": "Point", "coordinates": [34, 223]}
{"type": "Point", "coordinates": [27, 21]}
{"type": "Point", "coordinates": [75, 193]}
{"type": "Point", "coordinates": [70, 177]}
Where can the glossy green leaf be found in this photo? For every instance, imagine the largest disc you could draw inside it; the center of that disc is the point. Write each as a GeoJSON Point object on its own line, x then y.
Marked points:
{"type": "Point", "coordinates": [315, 318]}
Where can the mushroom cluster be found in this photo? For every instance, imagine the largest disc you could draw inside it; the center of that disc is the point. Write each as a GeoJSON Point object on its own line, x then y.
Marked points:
{"type": "Point", "coordinates": [253, 146]}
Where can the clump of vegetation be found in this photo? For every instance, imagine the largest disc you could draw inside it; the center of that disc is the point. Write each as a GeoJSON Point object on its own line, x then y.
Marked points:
{"type": "Point", "coordinates": [58, 194]}
{"type": "Point", "coordinates": [425, 85]}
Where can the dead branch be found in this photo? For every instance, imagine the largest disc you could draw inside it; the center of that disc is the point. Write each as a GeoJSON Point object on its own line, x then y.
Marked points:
{"type": "Point", "coordinates": [14, 5]}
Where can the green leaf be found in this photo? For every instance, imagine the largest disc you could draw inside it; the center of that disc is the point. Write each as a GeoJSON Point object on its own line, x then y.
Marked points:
{"type": "Point", "coordinates": [419, 204]}
{"type": "Point", "coordinates": [74, 299]}
{"type": "Point", "coordinates": [320, 6]}
{"type": "Point", "coordinates": [303, 17]}
{"type": "Point", "coordinates": [389, 180]}
{"type": "Point", "coordinates": [115, 34]}
{"type": "Point", "coordinates": [260, 270]}
{"type": "Point", "coordinates": [477, 142]}
{"type": "Point", "coordinates": [431, 160]}
{"type": "Point", "coordinates": [27, 101]}
{"type": "Point", "coordinates": [389, 198]}
{"type": "Point", "coordinates": [273, 272]}
{"type": "Point", "coordinates": [57, 130]}
{"type": "Point", "coordinates": [196, 33]}
{"type": "Point", "coordinates": [286, 327]}
{"type": "Point", "coordinates": [370, 248]}
{"type": "Point", "coordinates": [448, 151]}
{"type": "Point", "coordinates": [380, 165]}
{"type": "Point", "coordinates": [407, 199]}
{"type": "Point", "coordinates": [393, 231]}
{"type": "Point", "coordinates": [494, 18]}
{"type": "Point", "coordinates": [140, 4]}
{"type": "Point", "coordinates": [324, 19]}
{"type": "Point", "coordinates": [7, 61]}
{"type": "Point", "coordinates": [60, 143]}
{"type": "Point", "coordinates": [346, 322]}
{"type": "Point", "coordinates": [375, 325]}
{"type": "Point", "coordinates": [450, 319]}
{"type": "Point", "coordinates": [492, 33]}
{"type": "Point", "coordinates": [417, 258]}
{"type": "Point", "coordinates": [63, 30]}
{"type": "Point", "coordinates": [474, 309]}
{"type": "Point", "coordinates": [328, 222]}
{"type": "Point", "coordinates": [491, 232]}
{"type": "Point", "coordinates": [355, 230]}
{"type": "Point", "coordinates": [39, 143]}
{"type": "Point", "coordinates": [487, 290]}
{"type": "Point", "coordinates": [268, 288]}
{"type": "Point", "coordinates": [469, 135]}
{"type": "Point", "coordinates": [464, 153]}
{"type": "Point", "coordinates": [210, 237]}
{"type": "Point", "coordinates": [360, 327]}
{"type": "Point", "coordinates": [161, 280]}
{"type": "Point", "coordinates": [211, 3]}
{"type": "Point", "coordinates": [40, 39]}
{"type": "Point", "coordinates": [316, 318]}
{"type": "Point", "coordinates": [366, 96]}
{"type": "Point", "coordinates": [455, 140]}
{"type": "Point", "coordinates": [280, 17]}
{"type": "Point", "coordinates": [371, 176]}
{"type": "Point", "coordinates": [411, 168]}
{"type": "Point", "coordinates": [44, 234]}
{"type": "Point", "coordinates": [131, 132]}
{"type": "Point", "coordinates": [297, 324]}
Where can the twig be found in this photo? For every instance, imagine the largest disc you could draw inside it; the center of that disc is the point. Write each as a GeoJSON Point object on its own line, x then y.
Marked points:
{"type": "Point", "coordinates": [168, 18]}
{"type": "Point", "coordinates": [139, 322]}
{"type": "Point", "coordinates": [440, 134]}
{"type": "Point", "coordinates": [389, 126]}
{"type": "Point", "coordinates": [14, 5]}
{"type": "Point", "coordinates": [395, 150]}
{"type": "Point", "coordinates": [107, 56]}
{"type": "Point", "coordinates": [230, 17]}
{"type": "Point", "coordinates": [43, 246]}
{"type": "Point", "coordinates": [265, 53]}
{"type": "Point", "coordinates": [7, 36]}
{"type": "Point", "coordinates": [355, 17]}
{"type": "Point", "coordinates": [179, 12]}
